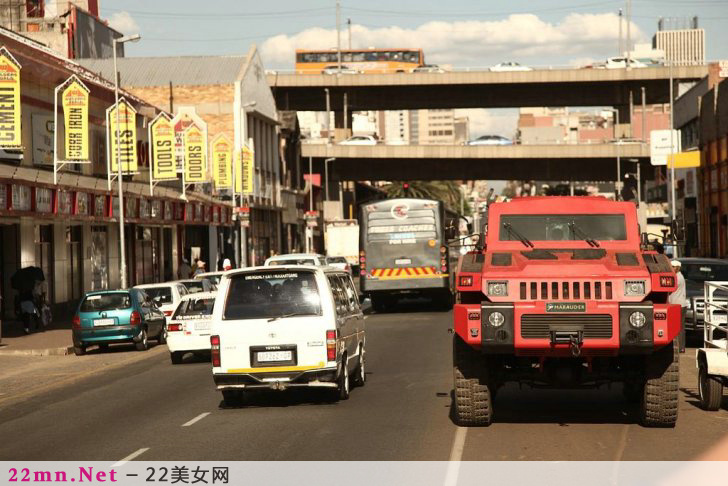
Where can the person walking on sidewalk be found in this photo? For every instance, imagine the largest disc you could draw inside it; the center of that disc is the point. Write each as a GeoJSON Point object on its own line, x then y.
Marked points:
{"type": "Point", "coordinates": [200, 268]}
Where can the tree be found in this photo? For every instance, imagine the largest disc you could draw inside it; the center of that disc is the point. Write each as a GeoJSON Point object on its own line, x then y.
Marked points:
{"type": "Point", "coordinates": [446, 191]}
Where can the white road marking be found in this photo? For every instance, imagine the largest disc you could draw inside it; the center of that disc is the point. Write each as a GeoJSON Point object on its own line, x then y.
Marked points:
{"type": "Point", "coordinates": [131, 457]}
{"type": "Point", "coordinates": [456, 455]}
{"type": "Point", "coordinates": [196, 419]}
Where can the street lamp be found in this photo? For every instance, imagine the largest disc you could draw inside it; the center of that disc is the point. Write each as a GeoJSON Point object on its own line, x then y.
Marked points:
{"type": "Point", "coordinates": [326, 175]}
{"type": "Point", "coordinates": [122, 243]}
{"type": "Point", "coordinates": [619, 153]}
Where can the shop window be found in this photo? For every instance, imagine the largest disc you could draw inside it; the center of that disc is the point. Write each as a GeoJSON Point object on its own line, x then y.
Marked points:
{"type": "Point", "coordinates": [99, 258]}
{"type": "Point", "coordinates": [44, 254]}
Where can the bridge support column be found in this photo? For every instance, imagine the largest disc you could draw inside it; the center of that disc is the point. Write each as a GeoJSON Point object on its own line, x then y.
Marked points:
{"type": "Point", "coordinates": [343, 120]}
{"type": "Point", "coordinates": [624, 130]}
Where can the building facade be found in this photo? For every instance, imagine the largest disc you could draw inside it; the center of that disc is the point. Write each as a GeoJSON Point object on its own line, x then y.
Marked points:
{"type": "Point", "coordinates": [683, 45]}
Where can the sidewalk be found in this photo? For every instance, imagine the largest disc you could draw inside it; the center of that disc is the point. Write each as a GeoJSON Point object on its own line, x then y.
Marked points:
{"type": "Point", "coordinates": [55, 341]}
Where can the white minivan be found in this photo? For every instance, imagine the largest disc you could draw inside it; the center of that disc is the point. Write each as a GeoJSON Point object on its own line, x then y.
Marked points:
{"type": "Point", "coordinates": [287, 326]}
{"type": "Point", "coordinates": [188, 330]}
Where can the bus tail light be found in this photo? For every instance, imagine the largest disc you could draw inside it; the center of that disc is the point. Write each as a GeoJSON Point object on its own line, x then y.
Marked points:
{"type": "Point", "coordinates": [363, 262]}
{"type": "Point", "coordinates": [215, 350]}
{"type": "Point", "coordinates": [331, 345]}
{"type": "Point", "coordinates": [443, 250]}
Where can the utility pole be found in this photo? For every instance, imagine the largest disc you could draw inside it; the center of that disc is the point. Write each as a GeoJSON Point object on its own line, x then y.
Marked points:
{"type": "Point", "coordinates": [671, 161]}
{"type": "Point", "coordinates": [346, 117]}
{"type": "Point", "coordinates": [619, 41]}
{"type": "Point", "coordinates": [328, 116]}
{"type": "Point", "coordinates": [348, 24]}
{"type": "Point", "coordinates": [338, 34]}
{"type": "Point", "coordinates": [629, 32]}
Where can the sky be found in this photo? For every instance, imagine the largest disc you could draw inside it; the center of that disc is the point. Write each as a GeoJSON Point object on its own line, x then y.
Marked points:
{"type": "Point", "coordinates": [473, 34]}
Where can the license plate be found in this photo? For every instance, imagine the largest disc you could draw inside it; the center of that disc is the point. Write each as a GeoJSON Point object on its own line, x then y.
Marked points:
{"type": "Point", "coordinates": [274, 356]}
{"type": "Point", "coordinates": [104, 322]}
{"type": "Point", "coordinates": [201, 326]}
{"type": "Point", "coordinates": [403, 261]}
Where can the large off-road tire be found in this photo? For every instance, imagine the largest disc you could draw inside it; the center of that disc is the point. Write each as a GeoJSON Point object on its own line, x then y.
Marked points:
{"type": "Point", "coordinates": [660, 398]}
{"type": "Point", "coordinates": [710, 389]}
{"type": "Point", "coordinates": [473, 404]}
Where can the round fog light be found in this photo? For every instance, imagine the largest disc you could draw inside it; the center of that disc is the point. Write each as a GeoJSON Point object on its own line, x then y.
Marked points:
{"type": "Point", "coordinates": [496, 319]}
{"type": "Point", "coordinates": [637, 319]}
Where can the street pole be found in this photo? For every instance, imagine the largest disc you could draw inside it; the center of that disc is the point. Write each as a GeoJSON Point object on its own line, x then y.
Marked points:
{"type": "Point", "coordinates": [673, 211]}
{"type": "Point", "coordinates": [338, 34]}
{"type": "Point", "coordinates": [346, 116]}
{"type": "Point", "coordinates": [326, 175]}
{"type": "Point", "coordinates": [309, 232]}
{"type": "Point", "coordinates": [629, 33]}
{"type": "Point", "coordinates": [619, 41]}
{"type": "Point", "coordinates": [644, 116]}
{"type": "Point", "coordinates": [619, 153]}
{"type": "Point", "coordinates": [328, 115]}
{"type": "Point", "coordinates": [348, 23]}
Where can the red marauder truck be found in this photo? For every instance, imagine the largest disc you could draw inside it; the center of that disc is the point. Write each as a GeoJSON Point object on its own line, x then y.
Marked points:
{"type": "Point", "coordinates": [564, 295]}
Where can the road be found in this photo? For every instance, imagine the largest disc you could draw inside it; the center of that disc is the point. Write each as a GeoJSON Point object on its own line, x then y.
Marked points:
{"type": "Point", "coordinates": [158, 411]}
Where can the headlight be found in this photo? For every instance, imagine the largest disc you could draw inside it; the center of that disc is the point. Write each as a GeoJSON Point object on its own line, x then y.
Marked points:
{"type": "Point", "coordinates": [496, 319]}
{"type": "Point", "coordinates": [498, 289]}
{"type": "Point", "coordinates": [634, 287]}
{"type": "Point", "coordinates": [637, 319]}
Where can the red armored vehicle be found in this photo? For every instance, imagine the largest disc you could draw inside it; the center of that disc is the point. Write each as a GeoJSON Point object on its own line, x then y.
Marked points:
{"type": "Point", "coordinates": [564, 295]}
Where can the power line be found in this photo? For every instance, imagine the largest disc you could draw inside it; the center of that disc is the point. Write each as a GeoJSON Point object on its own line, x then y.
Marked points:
{"type": "Point", "coordinates": [229, 15]}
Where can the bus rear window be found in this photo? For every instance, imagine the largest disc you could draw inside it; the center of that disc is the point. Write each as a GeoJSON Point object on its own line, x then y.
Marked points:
{"type": "Point", "coordinates": [265, 295]}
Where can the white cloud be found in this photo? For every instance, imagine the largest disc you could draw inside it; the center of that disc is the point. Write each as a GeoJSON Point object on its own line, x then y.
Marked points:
{"type": "Point", "coordinates": [490, 122]}
{"type": "Point", "coordinates": [520, 37]}
{"type": "Point", "coordinates": [124, 23]}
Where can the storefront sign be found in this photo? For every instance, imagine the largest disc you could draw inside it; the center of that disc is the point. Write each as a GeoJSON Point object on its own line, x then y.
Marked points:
{"type": "Point", "coordinates": [9, 100]}
{"type": "Point", "coordinates": [75, 117]}
{"type": "Point", "coordinates": [195, 157]}
{"type": "Point", "coordinates": [311, 219]}
{"type": "Point", "coordinates": [20, 198]}
{"type": "Point", "coordinates": [243, 216]}
{"type": "Point", "coordinates": [222, 161]}
{"type": "Point", "coordinates": [43, 200]}
{"type": "Point", "coordinates": [164, 166]}
{"type": "Point", "coordinates": [247, 170]}
{"type": "Point", "coordinates": [100, 209]}
{"type": "Point", "coordinates": [82, 204]}
{"type": "Point", "coordinates": [125, 148]}
{"type": "Point", "coordinates": [65, 202]}
{"type": "Point", "coordinates": [661, 145]}
{"type": "Point", "coordinates": [42, 131]}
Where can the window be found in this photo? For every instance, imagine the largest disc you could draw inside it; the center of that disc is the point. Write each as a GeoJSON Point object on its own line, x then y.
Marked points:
{"type": "Point", "coordinates": [106, 302]}
{"type": "Point", "coordinates": [563, 227]}
{"type": "Point", "coordinates": [194, 308]}
{"type": "Point", "coordinates": [163, 293]}
{"type": "Point", "coordinates": [272, 294]}
{"type": "Point", "coordinates": [340, 300]}
{"type": "Point", "coordinates": [351, 295]}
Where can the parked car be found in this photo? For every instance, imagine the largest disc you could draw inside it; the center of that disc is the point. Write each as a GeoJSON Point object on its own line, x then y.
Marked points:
{"type": "Point", "coordinates": [491, 140]}
{"type": "Point", "coordinates": [197, 285]}
{"type": "Point", "coordinates": [359, 140]}
{"type": "Point", "coordinates": [213, 277]}
{"type": "Point", "coordinates": [428, 68]}
{"type": "Point", "coordinates": [189, 328]}
{"type": "Point", "coordinates": [509, 66]}
{"type": "Point", "coordinates": [292, 326]}
{"type": "Point", "coordinates": [696, 272]}
{"type": "Point", "coordinates": [334, 69]}
{"type": "Point", "coordinates": [165, 295]}
{"type": "Point", "coordinates": [116, 316]}
{"type": "Point", "coordinates": [621, 63]}
{"type": "Point", "coordinates": [296, 259]}
{"type": "Point", "coordinates": [339, 262]}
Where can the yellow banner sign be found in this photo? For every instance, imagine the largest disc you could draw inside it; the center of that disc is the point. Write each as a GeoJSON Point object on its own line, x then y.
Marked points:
{"type": "Point", "coordinates": [247, 170]}
{"type": "Point", "coordinates": [123, 141]}
{"type": "Point", "coordinates": [684, 160]}
{"type": "Point", "coordinates": [164, 166]}
{"type": "Point", "coordinates": [75, 117]}
{"type": "Point", "coordinates": [9, 100]}
{"type": "Point", "coordinates": [222, 161]}
{"type": "Point", "coordinates": [195, 159]}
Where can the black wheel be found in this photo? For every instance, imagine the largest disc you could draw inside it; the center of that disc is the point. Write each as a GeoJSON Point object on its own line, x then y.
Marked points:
{"type": "Point", "coordinates": [232, 398]}
{"type": "Point", "coordinates": [445, 300]}
{"type": "Point", "coordinates": [176, 357]}
{"type": "Point", "coordinates": [360, 376]}
{"type": "Point", "coordinates": [378, 304]}
{"type": "Point", "coordinates": [473, 404]}
{"type": "Point", "coordinates": [342, 382]}
{"type": "Point", "coordinates": [143, 343]}
{"type": "Point", "coordinates": [710, 389]}
{"type": "Point", "coordinates": [79, 350]}
{"type": "Point", "coordinates": [660, 396]}
{"type": "Point", "coordinates": [162, 338]}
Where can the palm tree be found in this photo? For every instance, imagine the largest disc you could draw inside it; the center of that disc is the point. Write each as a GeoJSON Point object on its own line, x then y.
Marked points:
{"type": "Point", "coordinates": [446, 191]}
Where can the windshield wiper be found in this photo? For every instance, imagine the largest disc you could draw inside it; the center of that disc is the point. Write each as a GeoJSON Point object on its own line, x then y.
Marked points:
{"type": "Point", "coordinates": [578, 232]}
{"type": "Point", "coordinates": [292, 314]}
{"type": "Point", "coordinates": [527, 243]}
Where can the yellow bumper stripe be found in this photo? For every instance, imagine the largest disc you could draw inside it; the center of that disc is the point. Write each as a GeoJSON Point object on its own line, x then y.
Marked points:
{"type": "Point", "coordinates": [275, 369]}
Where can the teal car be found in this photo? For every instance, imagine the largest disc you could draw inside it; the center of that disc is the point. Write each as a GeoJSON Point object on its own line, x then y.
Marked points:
{"type": "Point", "coordinates": [117, 316]}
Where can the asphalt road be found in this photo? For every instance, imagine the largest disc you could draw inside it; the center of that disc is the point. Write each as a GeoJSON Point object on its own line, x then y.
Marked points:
{"type": "Point", "coordinates": [162, 412]}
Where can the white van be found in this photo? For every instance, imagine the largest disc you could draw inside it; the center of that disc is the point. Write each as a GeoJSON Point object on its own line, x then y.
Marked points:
{"type": "Point", "coordinates": [166, 295]}
{"type": "Point", "coordinates": [188, 330]}
{"type": "Point", "coordinates": [287, 326]}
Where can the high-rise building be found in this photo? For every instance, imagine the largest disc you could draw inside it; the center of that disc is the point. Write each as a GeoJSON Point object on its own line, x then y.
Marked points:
{"type": "Point", "coordinates": [682, 41]}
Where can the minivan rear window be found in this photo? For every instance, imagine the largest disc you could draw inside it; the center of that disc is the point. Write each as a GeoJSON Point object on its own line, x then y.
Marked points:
{"type": "Point", "coordinates": [293, 261]}
{"type": "Point", "coordinates": [265, 295]}
{"type": "Point", "coordinates": [106, 302]}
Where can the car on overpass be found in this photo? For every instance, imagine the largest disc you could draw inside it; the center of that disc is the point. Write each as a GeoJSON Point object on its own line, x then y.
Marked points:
{"type": "Point", "coordinates": [490, 140]}
{"type": "Point", "coordinates": [359, 140]}
{"type": "Point", "coordinates": [620, 63]}
{"type": "Point", "coordinates": [428, 68]}
{"type": "Point", "coordinates": [509, 66]}
{"type": "Point", "coordinates": [334, 69]}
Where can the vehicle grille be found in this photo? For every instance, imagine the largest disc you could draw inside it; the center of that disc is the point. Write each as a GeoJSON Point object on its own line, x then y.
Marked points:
{"type": "Point", "coordinates": [559, 290]}
{"type": "Point", "coordinates": [593, 326]}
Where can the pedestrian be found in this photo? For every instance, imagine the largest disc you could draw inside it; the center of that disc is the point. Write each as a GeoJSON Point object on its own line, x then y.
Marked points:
{"type": "Point", "coordinates": [184, 270]}
{"type": "Point", "coordinates": [679, 298]}
{"type": "Point", "coordinates": [200, 268]}
{"type": "Point", "coordinates": [226, 265]}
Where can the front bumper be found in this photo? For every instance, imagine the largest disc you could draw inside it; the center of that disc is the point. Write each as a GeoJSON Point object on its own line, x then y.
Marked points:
{"type": "Point", "coordinates": [323, 377]}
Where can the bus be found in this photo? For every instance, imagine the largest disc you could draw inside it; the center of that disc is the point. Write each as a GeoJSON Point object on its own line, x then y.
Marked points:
{"type": "Point", "coordinates": [363, 60]}
{"type": "Point", "coordinates": [404, 251]}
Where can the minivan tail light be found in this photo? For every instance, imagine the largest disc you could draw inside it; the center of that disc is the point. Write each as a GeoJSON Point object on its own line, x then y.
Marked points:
{"type": "Point", "coordinates": [135, 319]}
{"type": "Point", "coordinates": [76, 322]}
{"type": "Point", "coordinates": [215, 350]}
{"type": "Point", "coordinates": [331, 345]}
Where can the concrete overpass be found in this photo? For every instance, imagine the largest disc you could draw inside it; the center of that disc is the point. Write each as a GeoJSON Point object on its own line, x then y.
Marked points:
{"type": "Point", "coordinates": [597, 162]}
{"type": "Point", "coordinates": [478, 89]}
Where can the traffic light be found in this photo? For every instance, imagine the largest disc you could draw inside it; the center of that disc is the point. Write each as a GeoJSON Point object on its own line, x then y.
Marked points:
{"type": "Point", "coordinates": [405, 188]}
